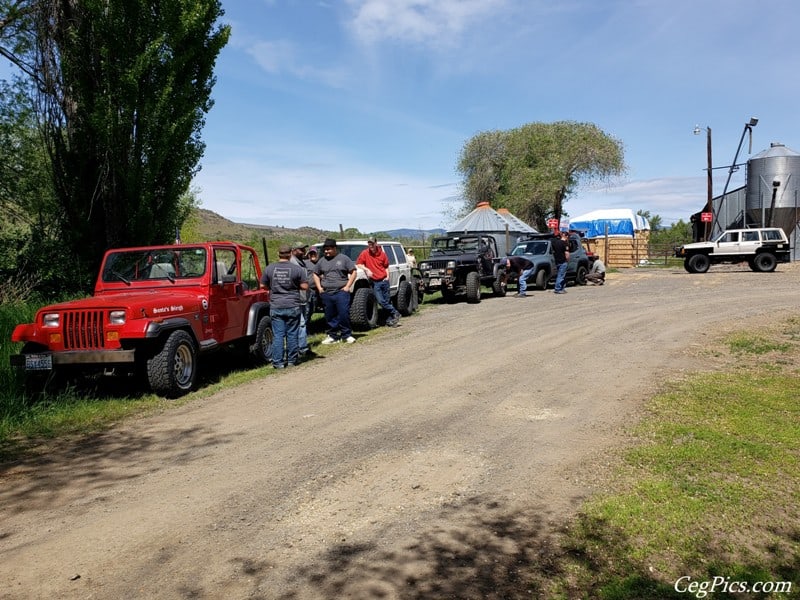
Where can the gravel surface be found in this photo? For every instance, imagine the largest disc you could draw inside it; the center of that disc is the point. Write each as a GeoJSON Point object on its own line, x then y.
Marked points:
{"type": "Point", "coordinates": [433, 460]}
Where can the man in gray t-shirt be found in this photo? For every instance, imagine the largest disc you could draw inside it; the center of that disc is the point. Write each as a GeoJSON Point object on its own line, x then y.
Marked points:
{"type": "Point", "coordinates": [334, 275]}
{"type": "Point", "coordinates": [285, 281]}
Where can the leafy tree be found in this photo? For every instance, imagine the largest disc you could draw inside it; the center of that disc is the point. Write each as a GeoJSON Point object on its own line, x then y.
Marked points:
{"type": "Point", "coordinates": [653, 220]}
{"type": "Point", "coordinates": [481, 163]}
{"type": "Point", "coordinates": [531, 170]}
{"type": "Point", "coordinates": [676, 234]}
{"type": "Point", "coordinates": [122, 90]}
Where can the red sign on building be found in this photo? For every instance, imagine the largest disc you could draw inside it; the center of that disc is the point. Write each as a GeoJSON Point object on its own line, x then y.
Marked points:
{"type": "Point", "coordinates": [552, 223]}
{"type": "Point", "coordinates": [706, 217]}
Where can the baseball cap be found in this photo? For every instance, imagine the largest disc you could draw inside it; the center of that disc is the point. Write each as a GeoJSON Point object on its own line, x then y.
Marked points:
{"type": "Point", "coordinates": [284, 249]}
{"type": "Point", "coordinates": [329, 243]}
{"type": "Point", "coordinates": [299, 246]}
{"type": "Point", "coordinates": [372, 239]}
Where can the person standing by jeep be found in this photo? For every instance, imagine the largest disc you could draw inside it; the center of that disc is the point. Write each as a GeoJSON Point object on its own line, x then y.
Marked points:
{"type": "Point", "coordinates": [334, 275]}
{"type": "Point", "coordinates": [285, 282]}
{"type": "Point", "coordinates": [523, 268]}
{"type": "Point", "coordinates": [560, 246]}
{"type": "Point", "coordinates": [376, 265]}
{"type": "Point", "coordinates": [298, 252]}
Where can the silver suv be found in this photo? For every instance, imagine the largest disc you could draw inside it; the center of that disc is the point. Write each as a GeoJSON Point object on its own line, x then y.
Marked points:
{"type": "Point", "coordinates": [404, 285]}
{"type": "Point", "coordinates": [762, 248]}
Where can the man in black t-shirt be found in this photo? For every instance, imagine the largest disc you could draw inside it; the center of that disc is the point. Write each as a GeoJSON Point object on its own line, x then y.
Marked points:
{"type": "Point", "coordinates": [560, 247]}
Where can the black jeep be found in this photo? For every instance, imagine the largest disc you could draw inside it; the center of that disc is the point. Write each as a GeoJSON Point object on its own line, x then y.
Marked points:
{"type": "Point", "coordinates": [460, 264]}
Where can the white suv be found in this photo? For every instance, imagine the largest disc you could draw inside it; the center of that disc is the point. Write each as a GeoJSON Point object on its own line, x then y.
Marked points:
{"type": "Point", "coordinates": [762, 248]}
{"type": "Point", "coordinates": [404, 285]}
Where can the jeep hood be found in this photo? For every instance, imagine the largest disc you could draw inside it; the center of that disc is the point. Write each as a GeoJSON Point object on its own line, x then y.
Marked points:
{"type": "Point", "coordinates": [152, 302]}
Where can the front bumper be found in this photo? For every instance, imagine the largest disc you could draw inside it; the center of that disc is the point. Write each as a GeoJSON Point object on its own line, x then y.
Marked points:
{"type": "Point", "coordinates": [45, 361]}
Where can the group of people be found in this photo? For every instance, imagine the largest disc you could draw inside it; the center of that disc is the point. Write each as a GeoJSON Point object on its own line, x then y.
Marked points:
{"type": "Point", "coordinates": [332, 275]}
{"type": "Point", "coordinates": [523, 268]}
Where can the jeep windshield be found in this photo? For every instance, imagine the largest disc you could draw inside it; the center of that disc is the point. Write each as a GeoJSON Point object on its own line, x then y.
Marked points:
{"type": "Point", "coordinates": [153, 264]}
{"type": "Point", "coordinates": [536, 248]}
{"type": "Point", "coordinates": [456, 244]}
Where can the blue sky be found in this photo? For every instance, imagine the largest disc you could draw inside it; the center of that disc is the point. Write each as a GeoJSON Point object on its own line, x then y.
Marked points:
{"type": "Point", "coordinates": [354, 112]}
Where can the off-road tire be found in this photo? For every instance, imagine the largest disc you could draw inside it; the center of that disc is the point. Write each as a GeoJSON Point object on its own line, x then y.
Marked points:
{"type": "Point", "coordinates": [473, 285]}
{"type": "Point", "coordinates": [405, 298]}
{"type": "Point", "coordinates": [419, 291]}
{"type": "Point", "coordinates": [499, 285]}
{"type": "Point", "coordinates": [261, 349]}
{"type": "Point", "coordinates": [580, 275]}
{"type": "Point", "coordinates": [699, 263]}
{"type": "Point", "coordinates": [765, 262]}
{"type": "Point", "coordinates": [172, 371]}
{"type": "Point", "coordinates": [363, 309]}
{"type": "Point", "coordinates": [689, 269]}
{"type": "Point", "coordinates": [541, 280]}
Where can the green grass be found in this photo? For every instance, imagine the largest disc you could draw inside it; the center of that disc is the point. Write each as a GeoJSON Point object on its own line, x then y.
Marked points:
{"type": "Point", "coordinates": [710, 487]}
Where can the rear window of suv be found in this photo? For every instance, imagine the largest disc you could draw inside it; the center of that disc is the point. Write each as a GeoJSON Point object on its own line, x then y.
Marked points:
{"type": "Point", "coordinates": [773, 235]}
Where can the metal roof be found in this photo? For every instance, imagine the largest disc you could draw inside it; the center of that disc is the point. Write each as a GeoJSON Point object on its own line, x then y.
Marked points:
{"type": "Point", "coordinates": [485, 218]}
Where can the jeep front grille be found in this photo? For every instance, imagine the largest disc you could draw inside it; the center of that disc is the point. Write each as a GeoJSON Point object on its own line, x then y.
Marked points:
{"type": "Point", "coordinates": [83, 330]}
{"type": "Point", "coordinates": [438, 264]}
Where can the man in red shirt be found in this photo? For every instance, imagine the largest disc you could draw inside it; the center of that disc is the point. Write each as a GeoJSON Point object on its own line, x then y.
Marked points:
{"type": "Point", "coordinates": [376, 265]}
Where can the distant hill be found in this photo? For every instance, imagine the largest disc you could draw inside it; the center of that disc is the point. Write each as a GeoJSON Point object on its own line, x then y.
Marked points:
{"type": "Point", "coordinates": [415, 234]}
{"type": "Point", "coordinates": [212, 226]}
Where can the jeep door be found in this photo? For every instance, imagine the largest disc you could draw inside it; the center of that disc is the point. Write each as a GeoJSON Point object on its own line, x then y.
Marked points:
{"type": "Point", "coordinates": [228, 309]}
{"type": "Point", "coordinates": [728, 243]}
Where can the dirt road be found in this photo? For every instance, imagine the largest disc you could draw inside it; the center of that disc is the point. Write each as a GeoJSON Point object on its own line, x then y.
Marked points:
{"type": "Point", "coordinates": [430, 461]}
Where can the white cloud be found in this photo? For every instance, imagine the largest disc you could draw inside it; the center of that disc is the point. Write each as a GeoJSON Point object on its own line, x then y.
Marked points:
{"type": "Point", "coordinates": [281, 57]}
{"type": "Point", "coordinates": [430, 22]}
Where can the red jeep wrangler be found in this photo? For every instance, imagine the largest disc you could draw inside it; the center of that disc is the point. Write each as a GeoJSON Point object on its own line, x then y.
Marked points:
{"type": "Point", "coordinates": [154, 310]}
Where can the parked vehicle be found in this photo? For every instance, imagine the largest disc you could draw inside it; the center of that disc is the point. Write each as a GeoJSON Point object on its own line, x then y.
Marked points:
{"type": "Point", "coordinates": [537, 248]}
{"type": "Point", "coordinates": [155, 309]}
{"type": "Point", "coordinates": [461, 264]}
{"type": "Point", "coordinates": [404, 287]}
{"type": "Point", "coordinates": [762, 248]}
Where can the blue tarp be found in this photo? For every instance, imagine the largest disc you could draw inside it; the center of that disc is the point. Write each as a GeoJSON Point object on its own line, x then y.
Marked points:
{"type": "Point", "coordinates": [600, 223]}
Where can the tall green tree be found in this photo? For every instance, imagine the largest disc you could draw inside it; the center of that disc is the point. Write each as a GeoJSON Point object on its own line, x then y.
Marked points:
{"type": "Point", "coordinates": [531, 170]}
{"type": "Point", "coordinates": [124, 88]}
{"type": "Point", "coordinates": [481, 163]}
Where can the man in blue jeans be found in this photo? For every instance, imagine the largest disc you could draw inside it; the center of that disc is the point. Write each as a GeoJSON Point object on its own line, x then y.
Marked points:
{"type": "Point", "coordinates": [306, 297]}
{"type": "Point", "coordinates": [560, 246]}
{"type": "Point", "coordinates": [523, 268]}
{"type": "Point", "coordinates": [334, 275]}
{"type": "Point", "coordinates": [376, 265]}
{"type": "Point", "coordinates": [285, 282]}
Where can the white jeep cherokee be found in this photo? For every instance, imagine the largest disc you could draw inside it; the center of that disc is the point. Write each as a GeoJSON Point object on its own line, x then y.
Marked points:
{"type": "Point", "coordinates": [762, 248]}
{"type": "Point", "coordinates": [404, 287]}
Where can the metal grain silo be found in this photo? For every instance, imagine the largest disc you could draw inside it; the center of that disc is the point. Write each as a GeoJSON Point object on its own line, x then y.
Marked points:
{"type": "Point", "coordinates": [773, 180]}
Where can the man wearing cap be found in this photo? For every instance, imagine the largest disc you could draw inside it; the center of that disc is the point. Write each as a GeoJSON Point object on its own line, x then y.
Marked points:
{"type": "Point", "coordinates": [285, 281]}
{"type": "Point", "coordinates": [334, 275]}
{"type": "Point", "coordinates": [298, 252]}
{"type": "Point", "coordinates": [375, 263]}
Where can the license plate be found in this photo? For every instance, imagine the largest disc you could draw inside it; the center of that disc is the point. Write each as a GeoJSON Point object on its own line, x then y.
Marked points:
{"type": "Point", "coordinates": [434, 281]}
{"type": "Point", "coordinates": [38, 362]}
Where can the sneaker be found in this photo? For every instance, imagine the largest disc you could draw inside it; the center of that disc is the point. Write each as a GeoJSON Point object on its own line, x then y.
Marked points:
{"type": "Point", "coordinates": [349, 339]}
{"type": "Point", "coordinates": [330, 340]}
{"type": "Point", "coordinates": [393, 322]}
{"type": "Point", "coordinates": [518, 295]}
